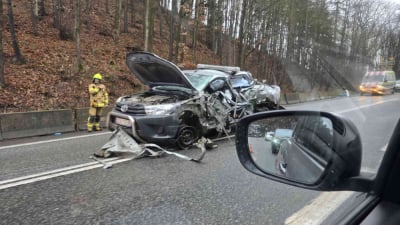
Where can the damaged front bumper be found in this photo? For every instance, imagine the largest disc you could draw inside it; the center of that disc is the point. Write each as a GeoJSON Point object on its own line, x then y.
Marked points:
{"type": "Point", "coordinates": [145, 129]}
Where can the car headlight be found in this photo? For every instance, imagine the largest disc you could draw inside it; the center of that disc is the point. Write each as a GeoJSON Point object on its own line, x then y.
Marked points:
{"type": "Point", "coordinates": [166, 109]}
{"type": "Point", "coordinates": [119, 99]}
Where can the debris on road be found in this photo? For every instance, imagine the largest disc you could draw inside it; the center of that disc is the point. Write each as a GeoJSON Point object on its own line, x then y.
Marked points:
{"type": "Point", "coordinates": [121, 143]}
{"type": "Point", "coordinates": [105, 165]}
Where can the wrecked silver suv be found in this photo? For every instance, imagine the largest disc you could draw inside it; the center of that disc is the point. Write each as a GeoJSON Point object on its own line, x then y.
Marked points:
{"type": "Point", "coordinates": [180, 106]}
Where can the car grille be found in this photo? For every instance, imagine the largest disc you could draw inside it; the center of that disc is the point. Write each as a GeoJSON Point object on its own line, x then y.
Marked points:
{"type": "Point", "coordinates": [133, 109]}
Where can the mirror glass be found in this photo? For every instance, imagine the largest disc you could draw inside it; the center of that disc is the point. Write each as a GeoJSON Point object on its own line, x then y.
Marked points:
{"type": "Point", "coordinates": [297, 148]}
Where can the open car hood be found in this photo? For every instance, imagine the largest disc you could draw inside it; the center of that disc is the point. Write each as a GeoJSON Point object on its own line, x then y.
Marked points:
{"type": "Point", "coordinates": [152, 70]}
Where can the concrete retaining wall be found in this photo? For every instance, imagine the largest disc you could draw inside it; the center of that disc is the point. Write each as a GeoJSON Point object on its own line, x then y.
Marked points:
{"type": "Point", "coordinates": [16, 125]}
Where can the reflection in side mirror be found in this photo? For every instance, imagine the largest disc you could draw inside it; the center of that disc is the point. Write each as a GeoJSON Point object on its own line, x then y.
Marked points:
{"type": "Point", "coordinates": [297, 148]}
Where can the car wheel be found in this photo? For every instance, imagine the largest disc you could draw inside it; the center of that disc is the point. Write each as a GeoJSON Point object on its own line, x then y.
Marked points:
{"type": "Point", "coordinates": [274, 149]}
{"type": "Point", "coordinates": [187, 136]}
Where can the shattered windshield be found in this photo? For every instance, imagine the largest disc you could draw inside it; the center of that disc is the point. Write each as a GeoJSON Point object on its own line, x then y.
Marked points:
{"type": "Point", "coordinates": [240, 81]}
{"type": "Point", "coordinates": [201, 78]}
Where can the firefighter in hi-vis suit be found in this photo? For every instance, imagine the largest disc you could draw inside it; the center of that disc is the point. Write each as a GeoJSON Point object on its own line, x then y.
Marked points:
{"type": "Point", "coordinates": [98, 100]}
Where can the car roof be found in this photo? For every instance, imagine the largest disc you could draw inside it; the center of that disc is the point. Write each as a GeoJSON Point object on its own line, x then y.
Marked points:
{"type": "Point", "coordinates": [207, 72]}
{"type": "Point", "coordinates": [283, 132]}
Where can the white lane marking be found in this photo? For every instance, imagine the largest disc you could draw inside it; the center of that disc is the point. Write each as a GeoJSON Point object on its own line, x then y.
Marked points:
{"type": "Point", "coordinates": [57, 173]}
{"type": "Point", "coordinates": [312, 214]}
{"type": "Point", "coordinates": [368, 170]}
{"type": "Point", "coordinates": [66, 170]}
{"type": "Point", "coordinates": [383, 149]}
{"type": "Point", "coordinates": [55, 140]}
{"type": "Point", "coordinates": [323, 205]}
{"type": "Point", "coordinates": [366, 106]}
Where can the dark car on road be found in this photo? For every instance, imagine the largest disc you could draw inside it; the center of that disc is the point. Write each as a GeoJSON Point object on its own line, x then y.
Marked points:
{"type": "Point", "coordinates": [307, 152]}
{"type": "Point", "coordinates": [180, 106]}
{"type": "Point", "coordinates": [278, 137]}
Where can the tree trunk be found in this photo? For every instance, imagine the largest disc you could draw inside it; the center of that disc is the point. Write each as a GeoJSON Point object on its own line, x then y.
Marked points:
{"type": "Point", "coordinates": [88, 5]}
{"type": "Point", "coordinates": [178, 38]}
{"type": "Point", "coordinates": [231, 22]}
{"type": "Point", "coordinates": [117, 20]}
{"type": "Point", "coordinates": [211, 24]}
{"type": "Point", "coordinates": [57, 14]}
{"type": "Point", "coordinates": [108, 7]}
{"type": "Point", "coordinates": [219, 32]}
{"type": "Point", "coordinates": [18, 58]}
{"type": "Point", "coordinates": [243, 15]}
{"type": "Point", "coordinates": [2, 82]}
{"type": "Point", "coordinates": [149, 25]}
{"type": "Point", "coordinates": [125, 10]}
{"type": "Point", "coordinates": [172, 30]}
{"type": "Point", "coordinates": [132, 9]}
{"type": "Point", "coordinates": [35, 16]}
{"type": "Point", "coordinates": [77, 20]}
{"type": "Point", "coordinates": [42, 8]}
{"type": "Point", "coordinates": [160, 17]}
{"type": "Point", "coordinates": [197, 9]}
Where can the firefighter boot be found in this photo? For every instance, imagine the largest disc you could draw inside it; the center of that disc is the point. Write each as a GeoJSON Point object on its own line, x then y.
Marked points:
{"type": "Point", "coordinates": [97, 126]}
{"type": "Point", "coordinates": [90, 123]}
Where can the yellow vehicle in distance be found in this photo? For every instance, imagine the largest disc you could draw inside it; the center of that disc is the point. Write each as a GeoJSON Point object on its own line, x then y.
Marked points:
{"type": "Point", "coordinates": [378, 82]}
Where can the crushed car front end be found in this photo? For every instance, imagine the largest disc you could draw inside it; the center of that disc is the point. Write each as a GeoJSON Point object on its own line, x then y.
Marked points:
{"type": "Point", "coordinates": [146, 123]}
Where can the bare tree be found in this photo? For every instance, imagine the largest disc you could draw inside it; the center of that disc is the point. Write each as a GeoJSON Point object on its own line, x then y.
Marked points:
{"type": "Point", "coordinates": [42, 8]}
{"type": "Point", "coordinates": [125, 12]}
{"type": "Point", "coordinates": [77, 38]}
{"type": "Point", "coordinates": [2, 82]}
{"type": "Point", "coordinates": [242, 31]}
{"type": "Point", "coordinates": [57, 14]}
{"type": "Point", "coordinates": [149, 24]}
{"type": "Point", "coordinates": [172, 30]}
{"type": "Point", "coordinates": [18, 58]}
{"type": "Point", "coordinates": [35, 16]}
{"type": "Point", "coordinates": [117, 20]}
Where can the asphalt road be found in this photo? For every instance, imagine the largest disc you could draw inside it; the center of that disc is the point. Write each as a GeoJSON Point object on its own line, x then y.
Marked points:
{"type": "Point", "coordinates": [168, 190]}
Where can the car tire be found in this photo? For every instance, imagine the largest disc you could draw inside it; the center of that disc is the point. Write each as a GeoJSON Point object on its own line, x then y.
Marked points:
{"type": "Point", "coordinates": [187, 136]}
{"type": "Point", "coordinates": [273, 149]}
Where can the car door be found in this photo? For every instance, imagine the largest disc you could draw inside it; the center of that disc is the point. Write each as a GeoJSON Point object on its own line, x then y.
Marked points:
{"type": "Point", "coordinates": [375, 198]}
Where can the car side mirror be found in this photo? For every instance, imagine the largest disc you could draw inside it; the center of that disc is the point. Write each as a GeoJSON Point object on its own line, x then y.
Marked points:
{"type": "Point", "coordinates": [310, 149]}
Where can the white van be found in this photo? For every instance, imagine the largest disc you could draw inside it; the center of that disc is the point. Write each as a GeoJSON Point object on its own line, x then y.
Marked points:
{"type": "Point", "coordinates": [378, 82]}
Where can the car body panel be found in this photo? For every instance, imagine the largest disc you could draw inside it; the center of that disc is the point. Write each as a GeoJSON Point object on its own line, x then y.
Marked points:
{"type": "Point", "coordinates": [294, 160]}
{"type": "Point", "coordinates": [153, 71]}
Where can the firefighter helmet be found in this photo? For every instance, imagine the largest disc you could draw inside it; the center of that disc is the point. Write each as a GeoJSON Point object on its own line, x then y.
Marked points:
{"type": "Point", "coordinates": [97, 76]}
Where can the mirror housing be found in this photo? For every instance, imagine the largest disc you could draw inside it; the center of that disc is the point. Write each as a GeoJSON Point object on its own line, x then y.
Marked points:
{"type": "Point", "coordinates": [342, 171]}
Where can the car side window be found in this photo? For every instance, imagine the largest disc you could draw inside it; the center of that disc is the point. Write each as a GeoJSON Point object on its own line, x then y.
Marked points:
{"type": "Point", "coordinates": [315, 135]}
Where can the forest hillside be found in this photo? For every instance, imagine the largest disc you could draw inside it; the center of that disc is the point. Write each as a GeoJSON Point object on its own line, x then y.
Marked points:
{"type": "Point", "coordinates": [47, 79]}
{"type": "Point", "coordinates": [52, 48]}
